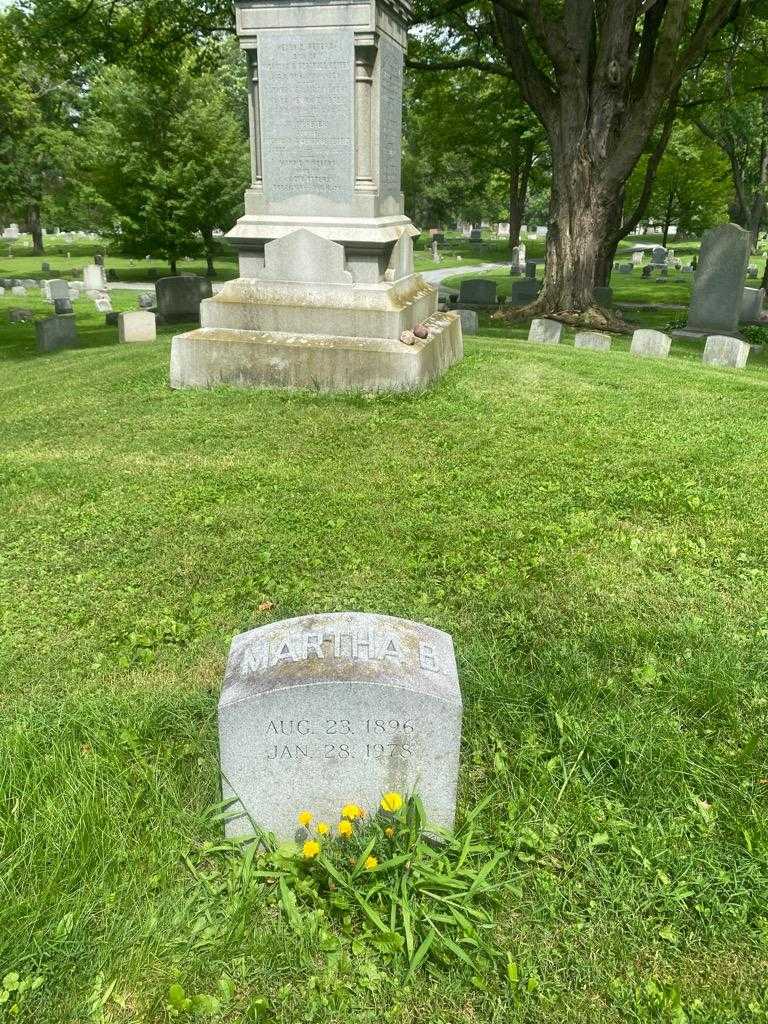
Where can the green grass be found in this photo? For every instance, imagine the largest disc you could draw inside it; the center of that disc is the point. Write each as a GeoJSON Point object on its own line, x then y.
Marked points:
{"type": "Point", "coordinates": [592, 531]}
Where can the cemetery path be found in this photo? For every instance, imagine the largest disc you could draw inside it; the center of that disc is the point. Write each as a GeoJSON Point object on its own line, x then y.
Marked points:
{"type": "Point", "coordinates": [436, 276]}
{"type": "Point", "coordinates": [432, 276]}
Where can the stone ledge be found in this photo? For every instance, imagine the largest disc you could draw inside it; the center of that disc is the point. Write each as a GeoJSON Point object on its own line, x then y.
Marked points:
{"type": "Point", "coordinates": [210, 357]}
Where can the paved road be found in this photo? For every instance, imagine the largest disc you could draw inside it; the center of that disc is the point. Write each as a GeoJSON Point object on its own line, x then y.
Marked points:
{"type": "Point", "coordinates": [432, 276]}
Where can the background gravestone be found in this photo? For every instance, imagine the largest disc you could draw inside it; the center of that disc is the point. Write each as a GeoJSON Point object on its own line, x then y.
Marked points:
{"type": "Point", "coordinates": [547, 332]}
{"type": "Point", "coordinates": [654, 344]}
{"type": "Point", "coordinates": [724, 351]}
{"type": "Point", "coordinates": [324, 710]}
{"type": "Point", "coordinates": [178, 299]}
{"type": "Point", "coordinates": [136, 326]}
{"type": "Point", "coordinates": [478, 292]}
{"type": "Point", "coordinates": [469, 320]}
{"type": "Point", "coordinates": [598, 341]}
{"type": "Point", "coordinates": [55, 332]}
{"type": "Point", "coordinates": [718, 287]}
{"type": "Point", "coordinates": [752, 305]}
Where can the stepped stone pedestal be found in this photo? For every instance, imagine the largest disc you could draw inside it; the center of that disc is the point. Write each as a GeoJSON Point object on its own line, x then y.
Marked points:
{"type": "Point", "coordinates": [327, 285]}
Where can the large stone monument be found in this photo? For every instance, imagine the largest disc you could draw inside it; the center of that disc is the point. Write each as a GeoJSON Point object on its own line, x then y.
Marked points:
{"type": "Point", "coordinates": [327, 285]}
{"type": "Point", "coordinates": [718, 287]}
{"type": "Point", "coordinates": [326, 710]}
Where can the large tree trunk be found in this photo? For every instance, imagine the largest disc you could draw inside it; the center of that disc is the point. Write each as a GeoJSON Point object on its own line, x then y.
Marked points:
{"type": "Point", "coordinates": [172, 265]}
{"type": "Point", "coordinates": [36, 230]}
{"type": "Point", "coordinates": [581, 221]}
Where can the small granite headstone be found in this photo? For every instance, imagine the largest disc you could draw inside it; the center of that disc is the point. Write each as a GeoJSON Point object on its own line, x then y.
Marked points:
{"type": "Point", "coordinates": [653, 344]}
{"type": "Point", "coordinates": [147, 300]}
{"type": "Point", "coordinates": [57, 289]}
{"type": "Point", "coordinates": [476, 235]}
{"type": "Point", "coordinates": [627, 268]}
{"type": "Point", "coordinates": [530, 269]}
{"type": "Point", "coordinates": [94, 277]}
{"type": "Point", "coordinates": [178, 299]}
{"type": "Point", "coordinates": [46, 268]}
{"type": "Point", "coordinates": [752, 305]}
{"type": "Point", "coordinates": [55, 332]}
{"type": "Point", "coordinates": [659, 255]}
{"type": "Point", "coordinates": [752, 272]}
{"type": "Point", "coordinates": [136, 326]}
{"type": "Point", "coordinates": [112, 275]}
{"type": "Point", "coordinates": [726, 352]}
{"type": "Point", "coordinates": [18, 289]}
{"type": "Point", "coordinates": [478, 292]}
{"type": "Point", "coordinates": [320, 711]}
{"type": "Point", "coordinates": [469, 320]}
{"type": "Point", "coordinates": [103, 304]}
{"type": "Point", "coordinates": [596, 340]}
{"type": "Point", "coordinates": [524, 291]}
{"type": "Point", "coordinates": [19, 316]}
{"type": "Point", "coordinates": [111, 319]}
{"type": "Point", "coordinates": [61, 306]}
{"type": "Point", "coordinates": [546, 332]}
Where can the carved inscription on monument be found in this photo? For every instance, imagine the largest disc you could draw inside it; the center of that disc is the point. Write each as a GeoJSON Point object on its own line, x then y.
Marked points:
{"type": "Point", "coordinates": [307, 113]}
{"type": "Point", "coordinates": [391, 116]}
{"type": "Point", "coordinates": [325, 709]}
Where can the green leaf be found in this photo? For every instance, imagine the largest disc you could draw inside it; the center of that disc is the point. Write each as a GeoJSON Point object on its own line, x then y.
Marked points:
{"type": "Point", "coordinates": [421, 953]}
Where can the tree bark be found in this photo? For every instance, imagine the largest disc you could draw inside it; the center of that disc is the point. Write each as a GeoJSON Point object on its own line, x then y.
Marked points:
{"type": "Point", "coordinates": [172, 265]}
{"type": "Point", "coordinates": [519, 177]}
{"type": "Point", "coordinates": [36, 230]}
{"type": "Point", "coordinates": [207, 233]}
{"type": "Point", "coordinates": [582, 220]}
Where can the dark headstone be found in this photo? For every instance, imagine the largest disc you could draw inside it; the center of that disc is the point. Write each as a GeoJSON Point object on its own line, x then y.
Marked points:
{"type": "Point", "coordinates": [55, 332]}
{"type": "Point", "coordinates": [46, 267]}
{"type": "Point", "coordinates": [524, 291]}
{"type": "Point", "coordinates": [18, 316]}
{"type": "Point", "coordinates": [178, 299]}
{"type": "Point", "coordinates": [530, 269]}
{"type": "Point", "coordinates": [476, 235]}
{"type": "Point", "coordinates": [112, 275]}
{"type": "Point", "coordinates": [61, 306]}
{"type": "Point", "coordinates": [110, 319]}
{"type": "Point", "coordinates": [477, 292]}
{"type": "Point", "coordinates": [648, 271]}
{"type": "Point", "coordinates": [98, 259]}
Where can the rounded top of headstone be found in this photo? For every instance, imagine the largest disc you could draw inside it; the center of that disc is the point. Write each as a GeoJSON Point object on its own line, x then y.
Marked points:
{"type": "Point", "coordinates": [341, 647]}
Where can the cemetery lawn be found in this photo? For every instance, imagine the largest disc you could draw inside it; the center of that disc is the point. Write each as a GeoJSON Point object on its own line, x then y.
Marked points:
{"type": "Point", "coordinates": [591, 529]}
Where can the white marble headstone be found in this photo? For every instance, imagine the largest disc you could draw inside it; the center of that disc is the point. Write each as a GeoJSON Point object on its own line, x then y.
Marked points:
{"type": "Point", "coordinates": [320, 711]}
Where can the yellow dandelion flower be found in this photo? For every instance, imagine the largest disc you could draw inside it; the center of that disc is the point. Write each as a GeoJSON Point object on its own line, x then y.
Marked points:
{"type": "Point", "coordinates": [311, 848]}
{"type": "Point", "coordinates": [371, 863]}
{"type": "Point", "coordinates": [389, 832]}
{"type": "Point", "coordinates": [352, 812]}
{"type": "Point", "coordinates": [323, 828]}
{"type": "Point", "coordinates": [391, 802]}
{"type": "Point", "coordinates": [345, 828]}
{"type": "Point", "coordinates": [305, 817]}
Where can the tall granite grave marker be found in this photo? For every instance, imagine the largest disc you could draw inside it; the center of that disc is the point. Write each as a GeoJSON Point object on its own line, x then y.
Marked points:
{"type": "Point", "coordinates": [718, 287]}
{"type": "Point", "coordinates": [324, 710]}
{"type": "Point", "coordinates": [327, 285]}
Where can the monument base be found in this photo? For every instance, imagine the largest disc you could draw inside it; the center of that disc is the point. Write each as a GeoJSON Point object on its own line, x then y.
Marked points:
{"type": "Point", "coordinates": [211, 356]}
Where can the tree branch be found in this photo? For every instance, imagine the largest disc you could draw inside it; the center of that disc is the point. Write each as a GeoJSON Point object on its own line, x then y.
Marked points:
{"type": "Point", "coordinates": [457, 65]}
